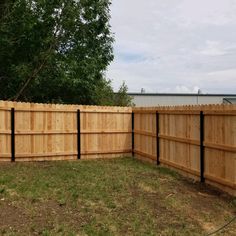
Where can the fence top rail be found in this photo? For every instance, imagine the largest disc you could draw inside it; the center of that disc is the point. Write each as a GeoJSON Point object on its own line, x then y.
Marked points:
{"type": "Point", "coordinates": [5, 109]}
{"type": "Point", "coordinates": [222, 112]}
{"type": "Point", "coordinates": [21, 106]}
{"type": "Point", "coordinates": [189, 107]}
{"type": "Point", "coordinates": [66, 111]}
{"type": "Point", "coordinates": [213, 109]}
{"type": "Point", "coordinates": [185, 112]}
{"type": "Point", "coordinates": [171, 112]}
{"type": "Point", "coordinates": [72, 111]}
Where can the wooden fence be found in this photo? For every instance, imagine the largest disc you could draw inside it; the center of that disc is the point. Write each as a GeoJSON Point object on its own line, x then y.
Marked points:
{"type": "Point", "coordinates": [63, 132]}
{"type": "Point", "coordinates": [197, 140]}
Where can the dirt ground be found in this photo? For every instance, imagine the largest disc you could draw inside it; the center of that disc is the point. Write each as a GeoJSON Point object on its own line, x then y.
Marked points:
{"type": "Point", "coordinates": [108, 197]}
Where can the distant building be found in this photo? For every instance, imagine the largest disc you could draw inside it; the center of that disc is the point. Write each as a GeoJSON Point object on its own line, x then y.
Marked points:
{"type": "Point", "coordinates": [171, 99]}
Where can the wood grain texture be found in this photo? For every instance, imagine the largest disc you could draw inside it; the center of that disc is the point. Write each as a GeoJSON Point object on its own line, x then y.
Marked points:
{"type": "Point", "coordinates": [179, 135]}
{"type": "Point", "coordinates": [49, 132]}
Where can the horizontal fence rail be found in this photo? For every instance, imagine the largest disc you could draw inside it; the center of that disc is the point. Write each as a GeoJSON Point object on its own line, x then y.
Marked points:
{"type": "Point", "coordinates": [197, 140]}
{"type": "Point", "coordinates": [31, 132]}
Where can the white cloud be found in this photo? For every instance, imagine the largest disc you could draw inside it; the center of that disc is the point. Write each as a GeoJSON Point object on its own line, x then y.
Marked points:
{"type": "Point", "coordinates": [181, 89]}
{"type": "Point", "coordinates": [216, 48]}
{"type": "Point", "coordinates": [212, 12]}
{"type": "Point", "coordinates": [174, 45]}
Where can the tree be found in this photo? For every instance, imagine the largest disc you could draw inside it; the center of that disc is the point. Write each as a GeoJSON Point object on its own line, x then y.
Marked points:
{"type": "Point", "coordinates": [55, 50]}
{"type": "Point", "coordinates": [122, 98]}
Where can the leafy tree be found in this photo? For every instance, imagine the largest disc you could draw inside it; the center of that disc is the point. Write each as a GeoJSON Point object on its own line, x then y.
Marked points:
{"type": "Point", "coordinates": [122, 98]}
{"type": "Point", "coordinates": [55, 50]}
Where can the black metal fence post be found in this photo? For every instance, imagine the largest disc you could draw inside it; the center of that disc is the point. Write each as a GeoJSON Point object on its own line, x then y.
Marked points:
{"type": "Point", "coordinates": [157, 138]}
{"type": "Point", "coordinates": [13, 135]}
{"type": "Point", "coordinates": [133, 134]}
{"type": "Point", "coordinates": [202, 162]}
{"type": "Point", "coordinates": [78, 135]}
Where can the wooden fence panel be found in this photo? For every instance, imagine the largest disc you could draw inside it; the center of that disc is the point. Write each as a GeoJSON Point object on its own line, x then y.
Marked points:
{"type": "Point", "coordinates": [105, 133]}
{"type": "Point", "coordinates": [45, 135]}
{"type": "Point", "coordinates": [220, 149]}
{"type": "Point", "coordinates": [179, 141]}
{"type": "Point", "coordinates": [49, 131]}
{"type": "Point", "coordinates": [5, 134]}
{"type": "Point", "coordinates": [145, 135]}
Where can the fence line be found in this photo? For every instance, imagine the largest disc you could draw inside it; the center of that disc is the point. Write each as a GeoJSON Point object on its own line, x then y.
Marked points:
{"type": "Point", "coordinates": [198, 140]}
{"type": "Point", "coordinates": [59, 132]}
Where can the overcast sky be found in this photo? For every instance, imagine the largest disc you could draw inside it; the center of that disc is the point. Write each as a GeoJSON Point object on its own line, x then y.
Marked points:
{"type": "Point", "coordinates": [174, 45]}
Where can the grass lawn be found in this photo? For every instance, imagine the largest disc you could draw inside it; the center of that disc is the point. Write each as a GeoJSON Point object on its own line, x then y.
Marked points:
{"type": "Point", "coordinates": [107, 197]}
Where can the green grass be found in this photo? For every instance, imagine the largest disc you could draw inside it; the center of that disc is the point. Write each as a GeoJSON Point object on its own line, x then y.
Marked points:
{"type": "Point", "coordinates": [107, 197]}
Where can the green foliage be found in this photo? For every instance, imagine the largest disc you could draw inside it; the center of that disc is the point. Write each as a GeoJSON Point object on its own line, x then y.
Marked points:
{"type": "Point", "coordinates": [55, 51]}
{"type": "Point", "coordinates": [104, 94]}
{"type": "Point", "coordinates": [121, 98]}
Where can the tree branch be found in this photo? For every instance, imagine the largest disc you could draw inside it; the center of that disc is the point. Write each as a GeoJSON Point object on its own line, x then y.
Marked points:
{"type": "Point", "coordinates": [56, 34]}
{"type": "Point", "coordinates": [34, 74]}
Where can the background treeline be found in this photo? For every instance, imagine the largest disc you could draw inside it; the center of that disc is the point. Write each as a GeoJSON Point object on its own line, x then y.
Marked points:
{"type": "Point", "coordinates": [57, 51]}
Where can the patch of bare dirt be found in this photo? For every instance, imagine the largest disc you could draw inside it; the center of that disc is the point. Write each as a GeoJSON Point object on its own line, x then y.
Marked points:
{"type": "Point", "coordinates": [33, 218]}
